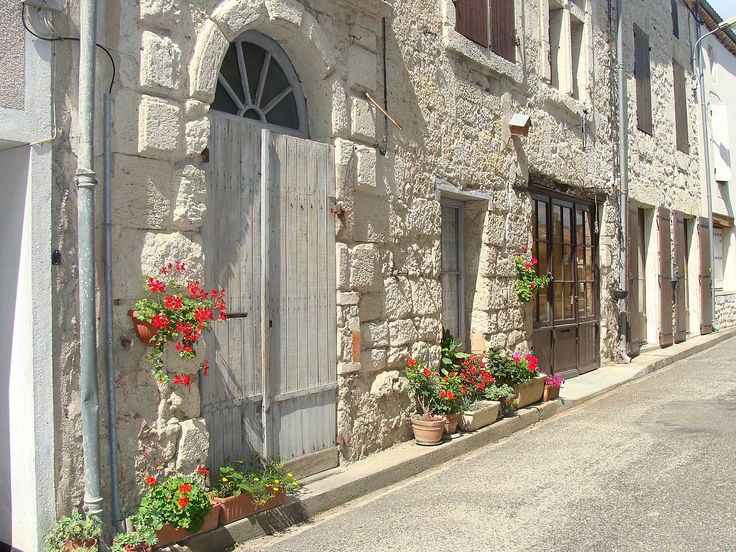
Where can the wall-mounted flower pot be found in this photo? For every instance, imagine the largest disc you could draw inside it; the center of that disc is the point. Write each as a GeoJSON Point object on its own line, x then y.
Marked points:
{"type": "Point", "coordinates": [451, 423]}
{"type": "Point", "coordinates": [72, 546]}
{"type": "Point", "coordinates": [550, 393]}
{"type": "Point", "coordinates": [169, 534]}
{"type": "Point", "coordinates": [234, 508]}
{"type": "Point", "coordinates": [428, 431]}
{"type": "Point", "coordinates": [530, 391]}
{"type": "Point", "coordinates": [144, 330]}
{"type": "Point", "coordinates": [485, 414]}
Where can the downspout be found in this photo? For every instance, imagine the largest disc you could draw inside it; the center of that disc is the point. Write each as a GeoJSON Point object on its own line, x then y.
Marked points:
{"type": "Point", "coordinates": [383, 148]}
{"type": "Point", "coordinates": [112, 433]}
{"type": "Point", "coordinates": [86, 183]}
{"type": "Point", "coordinates": [623, 166]}
{"type": "Point", "coordinates": [707, 159]}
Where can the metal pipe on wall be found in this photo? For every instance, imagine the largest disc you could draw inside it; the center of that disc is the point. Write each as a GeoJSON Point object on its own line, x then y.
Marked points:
{"type": "Point", "coordinates": [86, 183]}
{"type": "Point", "coordinates": [112, 434]}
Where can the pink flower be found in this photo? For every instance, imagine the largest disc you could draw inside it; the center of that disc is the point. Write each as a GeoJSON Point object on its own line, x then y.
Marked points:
{"type": "Point", "coordinates": [527, 265]}
{"type": "Point", "coordinates": [524, 249]}
{"type": "Point", "coordinates": [517, 357]}
{"type": "Point", "coordinates": [535, 261]}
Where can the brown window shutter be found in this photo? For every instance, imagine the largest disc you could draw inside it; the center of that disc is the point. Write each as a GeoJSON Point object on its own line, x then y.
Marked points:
{"type": "Point", "coordinates": [675, 19]}
{"type": "Point", "coordinates": [679, 278]}
{"type": "Point", "coordinates": [503, 29]}
{"type": "Point", "coordinates": [681, 131]}
{"type": "Point", "coordinates": [665, 277]}
{"type": "Point", "coordinates": [706, 276]}
{"type": "Point", "coordinates": [642, 73]}
{"type": "Point", "coordinates": [471, 20]}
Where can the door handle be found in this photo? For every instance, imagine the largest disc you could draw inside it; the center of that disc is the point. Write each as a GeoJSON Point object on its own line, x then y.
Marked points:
{"type": "Point", "coordinates": [236, 314]}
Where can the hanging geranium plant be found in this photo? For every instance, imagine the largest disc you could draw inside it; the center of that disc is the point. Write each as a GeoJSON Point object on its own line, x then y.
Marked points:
{"type": "Point", "coordinates": [179, 311]}
{"type": "Point", "coordinates": [527, 279]}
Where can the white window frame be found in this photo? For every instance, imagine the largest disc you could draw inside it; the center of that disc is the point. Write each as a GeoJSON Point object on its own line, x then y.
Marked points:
{"type": "Point", "coordinates": [460, 336]}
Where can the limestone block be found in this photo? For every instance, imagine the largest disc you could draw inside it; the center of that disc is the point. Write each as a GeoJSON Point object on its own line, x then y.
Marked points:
{"type": "Point", "coordinates": [288, 14]}
{"type": "Point", "coordinates": [364, 30]}
{"type": "Point", "coordinates": [191, 198]}
{"type": "Point", "coordinates": [397, 356]}
{"type": "Point", "coordinates": [388, 383]}
{"type": "Point", "coordinates": [420, 258]}
{"type": "Point", "coordinates": [347, 298]}
{"type": "Point", "coordinates": [159, 248]}
{"type": "Point", "coordinates": [402, 332]}
{"type": "Point", "coordinates": [196, 135]}
{"type": "Point", "coordinates": [373, 360]}
{"type": "Point", "coordinates": [423, 219]}
{"type": "Point", "coordinates": [494, 230]}
{"type": "Point", "coordinates": [367, 173]}
{"type": "Point", "coordinates": [346, 169]}
{"type": "Point", "coordinates": [362, 69]}
{"type": "Point", "coordinates": [429, 329]}
{"type": "Point", "coordinates": [160, 66]}
{"type": "Point", "coordinates": [434, 353]}
{"type": "Point", "coordinates": [235, 16]}
{"type": "Point", "coordinates": [344, 346]}
{"type": "Point", "coordinates": [421, 351]}
{"type": "Point", "coordinates": [426, 296]}
{"type": "Point", "coordinates": [207, 59]}
{"type": "Point", "coordinates": [182, 403]}
{"type": "Point", "coordinates": [194, 109]}
{"type": "Point", "coordinates": [362, 119]}
{"type": "Point", "coordinates": [375, 334]}
{"type": "Point", "coordinates": [342, 266]}
{"type": "Point", "coordinates": [370, 306]}
{"type": "Point", "coordinates": [372, 218]}
{"type": "Point", "coordinates": [487, 262]}
{"type": "Point", "coordinates": [480, 322]}
{"type": "Point", "coordinates": [159, 127]}
{"type": "Point", "coordinates": [398, 297]}
{"type": "Point", "coordinates": [160, 13]}
{"type": "Point", "coordinates": [365, 270]}
{"type": "Point", "coordinates": [194, 445]}
{"type": "Point", "coordinates": [142, 192]}
{"type": "Point", "coordinates": [347, 368]}
{"type": "Point", "coordinates": [125, 122]}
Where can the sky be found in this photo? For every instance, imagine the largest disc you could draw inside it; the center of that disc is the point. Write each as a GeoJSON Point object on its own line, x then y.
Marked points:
{"type": "Point", "coordinates": [725, 8]}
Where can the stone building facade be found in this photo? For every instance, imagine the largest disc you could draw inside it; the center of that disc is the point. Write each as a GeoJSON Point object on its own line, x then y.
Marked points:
{"type": "Point", "coordinates": [450, 150]}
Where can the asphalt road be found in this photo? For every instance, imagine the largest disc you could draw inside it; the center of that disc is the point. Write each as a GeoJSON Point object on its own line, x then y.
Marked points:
{"type": "Point", "coordinates": [649, 466]}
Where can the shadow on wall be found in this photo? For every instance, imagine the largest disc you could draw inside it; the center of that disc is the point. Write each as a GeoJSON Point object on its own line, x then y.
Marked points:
{"type": "Point", "coordinates": [14, 171]}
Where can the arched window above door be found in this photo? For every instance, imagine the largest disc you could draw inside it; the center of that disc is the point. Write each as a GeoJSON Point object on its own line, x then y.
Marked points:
{"type": "Point", "coordinates": [258, 82]}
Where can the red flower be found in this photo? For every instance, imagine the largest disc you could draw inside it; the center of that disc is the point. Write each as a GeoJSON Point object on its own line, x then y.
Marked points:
{"type": "Point", "coordinates": [427, 373]}
{"type": "Point", "coordinates": [222, 316]}
{"type": "Point", "coordinates": [156, 286]}
{"type": "Point", "coordinates": [172, 302]}
{"type": "Point", "coordinates": [527, 265]}
{"type": "Point", "coordinates": [160, 321]}
{"type": "Point", "coordinates": [185, 488]}
{"type": "Point", "coordinates": [532, 285]}
{"type": "Point", "coordinates": [182, 379]}
{"type": "Point", "coordinates": [411, 362]}
{"type": "Point", "coordinates": [453, 374]}
{"type": "Point", "coordinates": [183, 501]}
{"type": "Point", "coordinates": [443, 394]}
{"type": "Point", "coordinates": [203, 470]}
{"type": "Point", "coordinates": [450, 395]}
{"type": "Point", "coordinates": [150, 480]}
{"type": "Point", "coordinates": [205, 366]}
{"type": "Point", "coordinates": [532, 362]}
{"type": "Point", "coordinates": [524, 249]}
{"type": "Point", "coordinates": [180, 266]}
{"type": "Point", "coordinates": [201, 314]}
{"type": "Point", "coordinates": [535, 261]}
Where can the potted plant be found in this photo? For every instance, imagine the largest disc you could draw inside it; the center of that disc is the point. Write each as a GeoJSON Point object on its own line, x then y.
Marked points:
{"type": "Point", "coordinates": [520, 372]}
{"type": "Point", "coordinates": [175, 311]}
{"type": "Point", "coordinates": [243, 490]}
{"type": "Point", "coordinates": [74, 533]}
{"type": "Point", "coordinates": [475, 379]}
{"type": "Point", "coordinates": [527, 279]}
{"type": "Point", "coordinates": [177, 507]}
{"type": "Point", "coordinates": [449, 400]}
{"type": "Point", "coordinates": [141, 539]}
{"type": "Point", "coordinates": [428, 425]}
{"type": "Point", "coordinates": [504, 395]}
{"type": "Point", "coordinates": [552, 387]}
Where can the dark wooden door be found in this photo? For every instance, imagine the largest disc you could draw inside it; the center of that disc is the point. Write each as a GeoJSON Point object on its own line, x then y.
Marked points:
{"type": "Point", "coordinates": [706, 277]}
{"type": "Point", "coordinates": [567, 324]}
{"type": "Point", "coordinates": [679, 275]}
{"type": "Point", "coordinates": [636, 303]}
{"type": "Point", "coordinates": [666, 336]}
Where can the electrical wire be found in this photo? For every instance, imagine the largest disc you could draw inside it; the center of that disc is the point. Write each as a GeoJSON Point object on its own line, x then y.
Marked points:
{"type": "Point", "coordinates": [62, 38]}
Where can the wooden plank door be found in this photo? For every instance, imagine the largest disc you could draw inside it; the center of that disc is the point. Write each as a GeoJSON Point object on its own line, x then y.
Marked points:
{"type": "Point", "coordinates": [231, 395]}
{"type": "Point", "coordinates": [633, 305]}
{"type": "Point", "coordinates": [666, 336]}
{"type": "Point", "coordinates": [300, 364]}
{"type": "Point", "coordinates": [706, 277]}
{"type": "Point", "coordinates": [679, 276]}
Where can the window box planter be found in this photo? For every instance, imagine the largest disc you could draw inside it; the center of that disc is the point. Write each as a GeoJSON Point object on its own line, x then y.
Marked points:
{"type": "Point", "coordinates": [530, 391]}
{"type": "Point", "coordinates": [144, 330]}
{"type": "Point", "coordinates": [169, 534]}
{"type": "Point", "coordinates": [242, 506]}
{"type": "Point", "coordinates": [485, 414]}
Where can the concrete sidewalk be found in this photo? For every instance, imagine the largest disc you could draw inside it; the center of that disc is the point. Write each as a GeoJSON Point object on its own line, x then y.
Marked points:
{"type": "Point", "coordinates": [341, 485]}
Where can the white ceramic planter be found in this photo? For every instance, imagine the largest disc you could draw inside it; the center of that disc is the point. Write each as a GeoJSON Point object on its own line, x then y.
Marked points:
{"type": "Point", "coordinates": [530, 391]}
{"type": "Point", "coordinates": [473, 420]}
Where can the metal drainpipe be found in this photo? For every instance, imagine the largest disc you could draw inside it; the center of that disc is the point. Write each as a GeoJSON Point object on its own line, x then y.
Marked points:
{"type": "Point", "coordinates": [112, 433]}
{"type": "Point", "coordinates": [623, 166]}
{"type": "Point", "coordinates": [707, 159]}
{"type": "Point", "coordinates": [86, 183]}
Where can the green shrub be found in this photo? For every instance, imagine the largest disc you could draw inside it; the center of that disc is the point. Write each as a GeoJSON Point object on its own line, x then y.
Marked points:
{"type": "Point", "coordinates": [74, 528]}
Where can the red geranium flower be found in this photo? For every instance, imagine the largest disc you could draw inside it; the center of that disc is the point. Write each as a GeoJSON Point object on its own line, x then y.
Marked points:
{"type": "Point", "coordinates": [150, 480]}
{"type": "Point", "coordinates": [183, 501]}
{"type": "Point", "coordinates": [443, 394]}
{"type": "Point", "coordinates": [450, 395]}
{"type": "Point", "coordinates": [156, 286]}
{"type": "Point", "coordinates": [172, 302]}
{"type": "Point", "coordinates": [203, 470]}
{"type": "Point", "coordinates": [185, 488]}
{"type": "Point", "coordinates": [527, 265]}
{"type": "Point", "coordinates": [160, 321]}
{"type": "Point", "coordinates": [411, 362]}
{"type": "Point", "coordinates": [427, 373]}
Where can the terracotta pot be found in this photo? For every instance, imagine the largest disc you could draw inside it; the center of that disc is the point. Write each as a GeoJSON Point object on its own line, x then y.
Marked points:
{"type": "Point", "coordinates": [530, 391]}
{"type": "Point", "coordinates": [169, 534]}
{"type": "Point", "coordinates": [428, 431]}
{"type": "Point", "coordinates": [70, 546]}
{"type": "Point", "coordinates": [550, 393]}
{"type": "Point", "coordinates": [139, 548]}
{"type": "Point", "coordinates": [451, 423]}
{"type": "Point", "coordinates": [483, 416]}
{"type": "Point", "coordinates": [234, 508]}
{"type": "Point", "coordinates": [144, 330]}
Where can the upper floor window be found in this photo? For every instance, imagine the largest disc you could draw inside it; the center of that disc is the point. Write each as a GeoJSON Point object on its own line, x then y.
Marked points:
{"type": "Point", "coordinates": [490, 23]}
{"type": "Point", "coordinates": [567, 69]}
{"type": "Point", "coordinates": [675, 20]}
{"type": "Point", "coordinates": [643, 76]}
{"type": "Point", "coordinates": [681, 131]}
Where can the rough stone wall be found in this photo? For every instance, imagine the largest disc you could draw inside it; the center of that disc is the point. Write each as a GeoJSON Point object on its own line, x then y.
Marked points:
{"type": "Point", "coordinates": [453, 106]}
{"type": "Point", "coordinates": [725, 310]}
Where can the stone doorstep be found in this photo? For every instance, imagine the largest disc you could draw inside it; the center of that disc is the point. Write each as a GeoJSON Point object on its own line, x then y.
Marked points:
{"type": "Point", "coordinates": [383, 469]}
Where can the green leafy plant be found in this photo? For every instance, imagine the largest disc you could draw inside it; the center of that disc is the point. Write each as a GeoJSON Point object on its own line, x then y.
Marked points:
{"type": "Point", "coordinates": [436, 394]}
{"type": "Point", "coordinates": [452, 354]}
{"type": "Point", "coordinates": [511, 370]}
{"type": "Point", "coordinates": [260, 480]}
{"type": "Point", "coordinates": [528, 281]}
{"type": "Point", "coordinates": [142, 538]}
{"type": "Point", "coordinates": [181, 311]}
{"type": "Point", "coordinates": [501, 393]}
{"type": "Point", "coordinates": [74, 529]}
{"type": "Point", "coordinates": [180, 500]}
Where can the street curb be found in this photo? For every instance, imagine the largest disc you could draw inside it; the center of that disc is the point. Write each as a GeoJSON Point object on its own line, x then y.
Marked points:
{"type": "Point", "coordinates": [407, 459]}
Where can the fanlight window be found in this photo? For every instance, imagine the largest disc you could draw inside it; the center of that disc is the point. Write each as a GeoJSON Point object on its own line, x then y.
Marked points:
{"type": "Point", "coordinates": [257, 82]}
